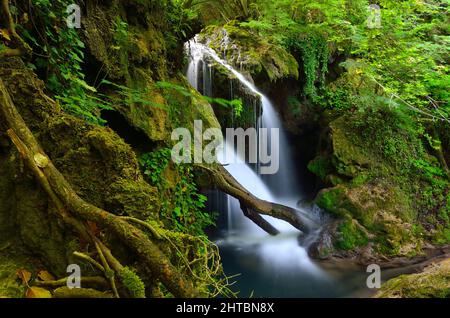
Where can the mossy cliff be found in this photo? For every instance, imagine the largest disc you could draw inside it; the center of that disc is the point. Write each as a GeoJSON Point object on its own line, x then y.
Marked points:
{"type": "Point", "coordinates": [139, 54]}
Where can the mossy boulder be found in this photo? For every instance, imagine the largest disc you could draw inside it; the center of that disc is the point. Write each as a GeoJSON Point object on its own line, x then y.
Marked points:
{"type": "Point", "coordinates": [432, 282]}
{"type": "Point", "coordinates": [350, 159]}
{"type": "Point", "coordinates": [376, 210]}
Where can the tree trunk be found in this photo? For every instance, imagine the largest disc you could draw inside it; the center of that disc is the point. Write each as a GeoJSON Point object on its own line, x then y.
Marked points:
{"type": "Point", "coordinates": [252, 205]}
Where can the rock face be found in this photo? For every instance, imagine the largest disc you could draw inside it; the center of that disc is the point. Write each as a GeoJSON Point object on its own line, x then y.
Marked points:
{"type": "Point", "coordinates": [138, 59]}
{"type": "Point", "coordinates": [323, 247]}
{"type": "Point", "coordinates": [432, 282]}
{"type": "Point", "coordinates": [375, 187]}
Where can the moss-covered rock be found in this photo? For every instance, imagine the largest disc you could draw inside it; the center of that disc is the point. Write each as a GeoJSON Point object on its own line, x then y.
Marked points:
{"type": "Point", "coordinates": [350, 236]}
{"type": "Point", "coordinates": [349, 157]}
{"type": "Point", "coordinates": [375, 167]}
{"type": "Point", "coordinates": [432, 282]}
{"type": "Point", "coordinates": [379, 209]}
{"type": "Point", "coordinates": [135, 51]}
{"type": "Point", "coordinates": [249, 52]}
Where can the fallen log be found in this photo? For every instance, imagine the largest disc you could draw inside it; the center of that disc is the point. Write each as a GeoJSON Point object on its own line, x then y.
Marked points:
{"type": "Point", "coordinates": [252, 206]}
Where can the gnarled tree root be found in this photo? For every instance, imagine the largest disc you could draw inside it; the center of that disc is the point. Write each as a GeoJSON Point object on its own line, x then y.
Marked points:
{"type": "Point", "coordinates": [73, 209]}
{"type": "Point", "coordinates": [253, 206]}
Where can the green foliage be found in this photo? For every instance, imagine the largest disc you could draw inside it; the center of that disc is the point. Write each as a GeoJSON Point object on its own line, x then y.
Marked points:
{"type": "Point", "coordinates": [406, 56]}
{"type": "Point", "coordinates": [59, 56]}
{"type": "Point", "coordinates": [338, 98]}
{"type": "Point", "coordinates": [154, 164]}
{"type": "Point", "coordinates": [443, 237]}
{"type": "Point", "coordinates": [181, 18]}
{"type": "Point", "coordinates": [314, 54]}
{"type": "Point", "coordinates": [132, 282]}
{"type": "Point", "coordinates": [171, 90]}
{"type": "Point", "coordinates": [185, 208]}
{"type": "Point", "coordinates": [131, 96]}
{"type": "Point", "coordinates": [388, 131]}
{"type": "Point", "coordinates": [428, 170]}
{"type": "Point", "coordinates": [227, 9]}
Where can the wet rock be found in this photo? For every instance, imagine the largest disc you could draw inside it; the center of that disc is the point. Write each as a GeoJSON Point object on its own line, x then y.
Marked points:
{"type": "Point", "coordinates": [323, 247]}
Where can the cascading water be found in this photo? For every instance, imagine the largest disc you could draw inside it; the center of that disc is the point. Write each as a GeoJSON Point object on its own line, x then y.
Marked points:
{"type": "Point", "coordinates": [270, 266]}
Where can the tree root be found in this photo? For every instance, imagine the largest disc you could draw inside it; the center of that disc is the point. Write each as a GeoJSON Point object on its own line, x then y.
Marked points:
{"type": "Point", "coordinates": [66, 199]}
{"type": "Point", "coordinates": [22, 47]}
{"type": "Point", "coordinates": [90, 260]}
{"type": "Point", "coordinates": [95, 282]}
{"type": "Point", "coordinates": [253, 206]}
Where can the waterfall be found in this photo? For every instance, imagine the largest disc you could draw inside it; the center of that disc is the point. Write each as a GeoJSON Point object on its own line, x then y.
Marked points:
{"type": "Point", "coordinates": [275, 254]}
{"type": "Point", "coordinates": [283, 184]}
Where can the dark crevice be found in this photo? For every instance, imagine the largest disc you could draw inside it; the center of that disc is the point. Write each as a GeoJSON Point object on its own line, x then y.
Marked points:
{"type": "Point", "coordinates": [305, 150]}
{"type": "Point", "coordinates": [136, 138]}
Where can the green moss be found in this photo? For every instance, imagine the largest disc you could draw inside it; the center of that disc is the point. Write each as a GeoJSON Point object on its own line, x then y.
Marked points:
{"type": "Point", "coordinates": [433, 282]}
{"type": "Point", "coordinates": [360, 179]}
{"type": "Point", "coordinates": [349, 158]}
{"type": "Point", "coordinates": [320, 166]}
{"type": "Point", "coordinates": [350, 236]}
{"type": "Point", "coordinates": [442, 237]}
{"type": "Point", "coordinates": [331, 200]}
{"type": "Point", "coordinates": [386, 179]}
{"type": "Point", "coordinates": [132, 282]}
